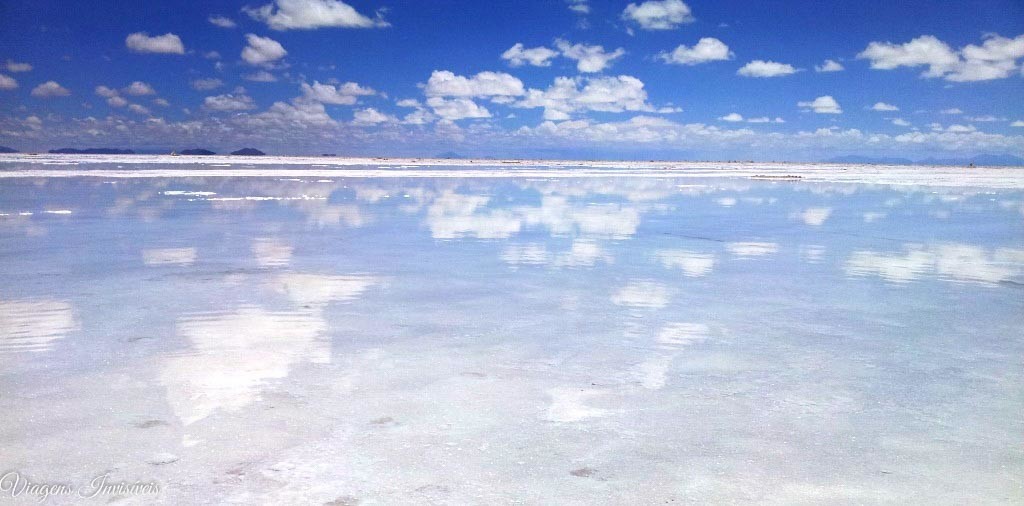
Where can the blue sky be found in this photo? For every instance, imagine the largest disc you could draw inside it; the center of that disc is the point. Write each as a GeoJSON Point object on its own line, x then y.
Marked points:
{"type": "Point", "coordinates": [556, 78]}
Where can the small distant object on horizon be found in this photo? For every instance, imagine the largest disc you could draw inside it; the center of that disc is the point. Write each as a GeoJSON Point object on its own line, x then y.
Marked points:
{"type": "Point", "coordinates": [450, 155]}
{"type": "Point", "coordinates": [328, 154]}
{"type": "Point", "coordinates": [91, 151]}
{"type": "Point", "coordinates": [197, 151]}
{"type": "Point", "coordinates": [5, 149]}
{"type": "Point", "coordinates": [248, 152]}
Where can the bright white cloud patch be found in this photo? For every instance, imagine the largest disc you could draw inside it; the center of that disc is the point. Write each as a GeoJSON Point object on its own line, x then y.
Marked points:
{"type": "Point", "coordinates": [312, 14]}
{"type": "Point", "coordinates": [443, 83]}
{"type": "Point", "coordinates": [221, 21]}
{"type": "Point", "coordinates": [117, 101]}
{"type": "Point", "coordinates": [822, 105]}
{"type": "Point", "coordinates": [457, 108]}
{"type": "Point", "coordinates": [995, 58]}
{"type": "Point", "coordinates": [206, 84]}
{"type": "Point", "coordinates": [884, 107]}
{"type": "Point", "coordinates": [658, 14]}
{"type": "Point", "coordinates": [229, 102]}
{"type": "Point", "coordinates": [262, 50]}
{"type": "Point", "coordinates": [604, 94]}
{"type": "Point", "coordinates": [589, 59]}
{"type": "Point", "coordinates": [518, 56]}
{"type": "Point", "coordinates": [579, 6]}
{"type": "Point", "coordinates": [829, 66]}
{"type": "Point", "coordinates": [260, 77]}
{"type": "Point", "coordinates": [761, 68]}
{"type": "Point", "coordinates": [953, 110]}
{"type": "Point", "coordinates": [138, 109]}
{"type": "Point", "coordinates": [1018, 123]}
{"type": "Point", "coordinates": [900, 122]}
{"type": "Point", "coordinates": [371, 116]}
{"type": "Point", "coordinates": [342, 94]}
{"type": "Point", "coordinates": [732, 117]}
{"type": "Point", "coordinates": [50, 89]}
{"type": "Point", "coordinates": [706, 50]}
{"type": "Point", "coordinates": [7, 82]}
{"type": "Point", "coordinates": [13, 66]}
{"type": "Point", "coordinates": [168, 43]}
{"type": "Point", "coordinates": [139, 88]}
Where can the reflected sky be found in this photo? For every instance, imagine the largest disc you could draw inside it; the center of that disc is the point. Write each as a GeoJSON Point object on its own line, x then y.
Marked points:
{"type": "Point", "coordinates": [668, 331]}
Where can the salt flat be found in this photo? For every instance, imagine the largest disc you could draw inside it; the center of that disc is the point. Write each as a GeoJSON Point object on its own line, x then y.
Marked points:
{"type": "Point", "coordinates": [482, 332]}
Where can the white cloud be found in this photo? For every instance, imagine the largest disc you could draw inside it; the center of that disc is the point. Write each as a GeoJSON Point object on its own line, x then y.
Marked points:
{"type": "Point", "coordinates": [342, 94]}
{"type": "Point", "coordinates": [518, 55]}
{"type": "Point", "coordinates": [116, 101]}
{"type": "Point", "coordinates": [312, 14]}
{"type": "Point", "coordinates": [732, 117]}
{"type": "Point", "coordinates": [900, 122]}
{"type": "Point", "coordinates": [14, 66]}
{"type": "Point", "coordinates": [604, 94]}
{"type": "Point", "coordinates": [995, 58]}
{"type": "Point", "coordinates": [766, 119]}
{"type": "Point", "coordinates": [260, 77]}
{"type": "Point", "coordinates": [211, 55]}
{"type": "Point", "coordinates": [959, 129]}
{"type": "Point", "coordinates": [7, 82]}
{"type": "Point", "coordinates": [262, 50]}
{"type": "Point", "coordinates": [829, 66]}
{"type": "Point", "coordinates": [106, 92]}
{"type": "Point", "coordinates": [822, 105]}
{"type": "Point", "coordinates": [168, 43]}
{"type": "Point", "coordinates": [161, 102]}
{"type": "Point", "coordinates": [579, 6]}
{"type": "Point", "coordinates": [371, 116]}
{"type": "Point", "coordinates": [761, 68]}
{"type": "Point", "coordinates": [221, 21]}
{"type": "Point", "coordinates": [882, 106]}
{"type": "Point", "coordinates": [206, 84]}
{"type": "Point", "coordinates": [229, 102]}
{"type": "Point", "coordinates": [443, 83]}
{"type": "Point", "coordinates": [588, 58]}
{"type": "Point", "coordinates": [953, 110]}
{"type": "Point", "coordinates": [457, 108]}
{"type": "Point", "coordinates": [706, 50]}
{"type": "Point", "coordinates": [1017, 123]}
{"type": "Point", "coordinates": [658, 14]}
{"type": "Point", "coordinates": [988, 118]}
{"type": "Point", "coordinates": [138, 109]}
{"type": "Point", "coordinates": [139, 88]}
{"type": "Point", "coordinates": [50, 89]}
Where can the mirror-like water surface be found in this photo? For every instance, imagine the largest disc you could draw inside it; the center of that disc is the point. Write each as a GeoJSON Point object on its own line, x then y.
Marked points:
{"type": "Point", "coordinates": [513, 340]}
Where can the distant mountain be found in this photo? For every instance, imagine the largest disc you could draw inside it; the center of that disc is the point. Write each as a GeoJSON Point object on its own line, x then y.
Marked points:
{"type": "Point", "coordinates": [5, 149]}
{"type": "Point", "coordinates": [450, 155]}
{"type": "Point", "coordinates": [92, 151]}
{"type": "Point", "coordinates": [869, 160]}
{"type": "Point", "coordinates": [980, 160]}
{"type": "Point", "coordinates": [248, 152]}
{"type": "Point", "coordinates": [197, 151]}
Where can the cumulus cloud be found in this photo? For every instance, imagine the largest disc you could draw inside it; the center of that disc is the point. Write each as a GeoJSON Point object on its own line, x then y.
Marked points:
{"type": "Point", "coordinates": [518, 56]}
{"type": "Point", "coordinates": [371, 116]}
{"type": "Point", "coordinates": [884, 107]}
{"type": "Point", "coordinates": [13, 66]}
{"type": "Point", "coordinates": [995, 58]}
{"type": "Point", "coordinates": [7, 82]}
{"type": "Point", "coordinates": [822, 105]}
{"type": "Point", "coordinates": [658, 14]}
{"type": "Point", "coordinates": [761, 68]}
{"type": "Point", "coordinates": [229, 102]}
{"type": "Point", "coordinates": [139, 88]}
{"type": "Point", "coordinates": [589, 59]}
{"type": "Point", "coordinates": [706, 50]}
{"type": "Point", "coordinates": [261, 76]}
{"type": "Point", "coordinates": [168, 43]}
{"type": "Point", "coordinates": [117, 101]}
{"type": "Point", "coordinates": [161, 102]}
{"type": "Point", "coordinates": [457, 108]}
{"type": "Point", "coordinates": [579, 6]}
{"type": "Point", "coordinates": [342, 94]}
{"type": "Point", "coordinates": [443, 83]}
{"type": "Point", "coordinates": [262, 50]}
{"type": "Point", "coordinates": [50, 89]}
{"type": "Point", "coordinates": [221, 21]}
{"type": "Point", "coordinates": [604, 94]}
{"type": "Point", "coordinates": [138, 109]}
{"type": "Point", "coordinates": [206, 84]}
{"type": "Point", "coordinates": [829, 66]}
{"type": "Point", "coordinates": [313, 14]}
{"type": "Point", "coordinates": [900, 122]}
{"type": "Point", "coordinates": [732, 117]}
{"type": "Point", "coordinates": [766, 119]}
{"type": "Point", "coordinates": [1018, 123]}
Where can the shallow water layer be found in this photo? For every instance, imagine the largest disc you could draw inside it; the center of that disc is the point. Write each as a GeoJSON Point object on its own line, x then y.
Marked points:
{"type": "Point", "coordinates": [524, 340]}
